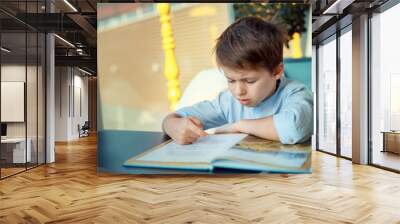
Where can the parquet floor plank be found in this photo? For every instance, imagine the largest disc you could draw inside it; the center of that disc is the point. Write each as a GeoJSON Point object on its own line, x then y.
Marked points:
{"type": "Point", "coordinates": [71, 191]}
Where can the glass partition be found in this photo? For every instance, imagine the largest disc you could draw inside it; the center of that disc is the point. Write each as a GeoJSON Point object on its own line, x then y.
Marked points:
{"type": "Point", "coordinates": [346, 93]}
{"type": "Point", "coordinates": [327, 96]}
{"type": "Point", "coordinates": [22, 87]}
{"type": "Point", "coordinates": [385, 89]}
{"type": "Point", "coordinates": [14, 153]}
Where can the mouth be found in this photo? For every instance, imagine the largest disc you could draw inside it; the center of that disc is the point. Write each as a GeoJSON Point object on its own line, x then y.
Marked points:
{"type": "Point", "coordinates": [244, 101]}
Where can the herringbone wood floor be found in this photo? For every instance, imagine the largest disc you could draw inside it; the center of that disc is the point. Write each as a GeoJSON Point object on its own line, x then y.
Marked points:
{"type": "Point", "coordinates": [70, 191]}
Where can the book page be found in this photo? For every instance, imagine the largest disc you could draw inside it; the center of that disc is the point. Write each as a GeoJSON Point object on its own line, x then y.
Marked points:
{"type": "Point", "coordinates": [204, 150]}
{"type": "Point", "coordinates": [256, 144]}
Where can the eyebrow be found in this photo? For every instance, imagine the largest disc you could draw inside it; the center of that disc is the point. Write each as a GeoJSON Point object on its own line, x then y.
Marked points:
{"type": "Point", "coordinates": [243, 79]}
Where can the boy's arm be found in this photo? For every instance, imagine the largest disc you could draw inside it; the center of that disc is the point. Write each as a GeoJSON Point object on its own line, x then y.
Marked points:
{"type": "Point", "coordinates": [263, 128]}
{"type": "Point", "coordinates": [293, 124]}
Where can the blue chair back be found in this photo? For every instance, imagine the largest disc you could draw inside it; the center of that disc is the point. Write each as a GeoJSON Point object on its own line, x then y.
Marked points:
{"type": "Point", "coordinates": [299, 69]}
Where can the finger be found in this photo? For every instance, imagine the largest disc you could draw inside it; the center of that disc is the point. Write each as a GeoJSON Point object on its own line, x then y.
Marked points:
{"type": "Point", "coordinates": [190, 139]}
{"type": "Point", "coordinates": [186, 138]}
{"type": "Point", "coordinates": [199, 126]}
{"type": "Point", "coordinates": [189, 134]}
{"type": "Point", "coordinates": [196, 121]}
{"type": "Point", "coordinates": [198, 131]}
{"type": "Point", "coordinates": [185, 142]}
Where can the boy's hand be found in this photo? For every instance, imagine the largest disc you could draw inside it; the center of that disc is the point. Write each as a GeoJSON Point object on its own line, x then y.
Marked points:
{"type": "Point", "coordinates": [190, 130]}
{"type": "Point", "coordinates": [185, 130]}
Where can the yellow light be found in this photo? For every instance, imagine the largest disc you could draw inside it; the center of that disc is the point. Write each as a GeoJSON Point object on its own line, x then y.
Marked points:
{"type": "Point", "coordinates": [203, 11]}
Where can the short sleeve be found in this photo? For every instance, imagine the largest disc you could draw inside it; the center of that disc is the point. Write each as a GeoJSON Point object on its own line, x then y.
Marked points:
{"type": "Point", "coordinates": [294, 122]}
{"type": "Point", "coordinates": [210, 113]}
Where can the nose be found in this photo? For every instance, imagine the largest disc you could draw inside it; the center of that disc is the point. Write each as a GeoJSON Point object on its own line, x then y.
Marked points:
{"type": "Point", "coordinates": [240, 89]}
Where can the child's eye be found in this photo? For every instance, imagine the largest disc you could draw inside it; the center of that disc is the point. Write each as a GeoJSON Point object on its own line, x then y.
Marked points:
{"type": "Point", "coordinates": [231, 81]}
{"type": "Point", "coordinates": [251, 81]}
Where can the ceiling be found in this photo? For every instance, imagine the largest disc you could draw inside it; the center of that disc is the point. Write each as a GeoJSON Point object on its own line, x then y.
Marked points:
{"type": "Point", "coordinates": [331, 15]}
{"type": "Point", "coordinates": [74, 21]}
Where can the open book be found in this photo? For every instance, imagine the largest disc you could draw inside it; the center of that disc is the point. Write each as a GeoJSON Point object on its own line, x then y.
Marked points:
{"type": "Point", "coordinates": [228, 151]}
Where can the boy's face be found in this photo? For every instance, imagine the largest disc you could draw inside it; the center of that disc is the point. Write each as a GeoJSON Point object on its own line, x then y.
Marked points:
{"type": "Point", "coordinates": [250, 87]}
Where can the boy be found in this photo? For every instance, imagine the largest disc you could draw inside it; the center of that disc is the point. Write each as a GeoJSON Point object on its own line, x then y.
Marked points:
{"type": "Point", "coordinates": [260, 100]}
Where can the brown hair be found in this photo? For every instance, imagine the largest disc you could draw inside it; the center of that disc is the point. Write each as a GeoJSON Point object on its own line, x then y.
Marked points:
{"type": "Point", "coordinates": [250, 43]}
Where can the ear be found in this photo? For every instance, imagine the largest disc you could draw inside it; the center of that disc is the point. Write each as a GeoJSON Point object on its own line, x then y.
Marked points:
{"type": "Point", "coordinates": [278, 72]}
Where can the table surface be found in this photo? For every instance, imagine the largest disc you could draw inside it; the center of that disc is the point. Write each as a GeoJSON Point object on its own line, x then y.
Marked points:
{"type": "Point", "coordinates": [390, 132]}
{"type": "Point", "coordinates": [13, 140]}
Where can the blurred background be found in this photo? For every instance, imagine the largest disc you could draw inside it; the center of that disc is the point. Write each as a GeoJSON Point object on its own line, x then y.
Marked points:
{"type": "Point", "coordinates": [133, 87]}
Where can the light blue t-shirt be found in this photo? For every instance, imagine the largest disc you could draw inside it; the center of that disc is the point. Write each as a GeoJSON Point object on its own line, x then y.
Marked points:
{"type": "Point", "coordinates": [291, 106]}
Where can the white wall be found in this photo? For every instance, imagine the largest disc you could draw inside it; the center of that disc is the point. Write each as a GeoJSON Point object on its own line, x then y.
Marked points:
{"type": "Point", "coordinates": [80, 100]}
{"type": "Point", "coordinates": [70, 83]}
{"type": "Point", "coordinates": [13, 72]}
{"type": "Point", "coordinates": [62, 81]}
